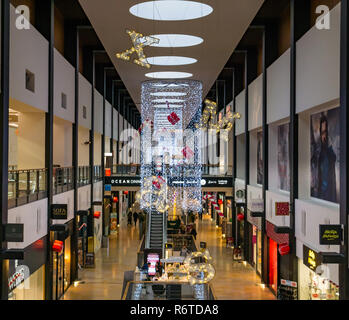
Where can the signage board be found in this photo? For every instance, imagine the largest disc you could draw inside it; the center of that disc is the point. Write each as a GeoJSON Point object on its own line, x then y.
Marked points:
{"type": "Point", "coordinates": [122, 181]}
{"type": "Point", "coordinates": [282, 208]}
{"type": "Point", "coordinates": [330, 234]}
{"type": "Point", "coordinates": [256, 205]}
{"type": "Point", "coordinates": [213, 182]}
{"type": "Point", "coordinates": [107, 187]}
{"type": "Point", "coordinates": [203, 245]}
{"type": "Point", "coordinates": [311, 258]}
{"type": "Point", "coordinates": [13, 232]}
{"type": "Point", "coordinates": [59, 211]}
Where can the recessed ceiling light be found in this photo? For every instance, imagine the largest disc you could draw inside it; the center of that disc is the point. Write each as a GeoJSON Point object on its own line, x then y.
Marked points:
{"type": "Point", "coordinates": [168, 75]}
{"type": "Point", "coordinates": [168, 94]}
{"type": "Point", "coordinates": [170, 61]}
{"type": "Point", "coordinates": [171, 10]}
{"type": "Point", "coordinates": [167, 100]}
{"type": "Point", "coordinates": [176, 40]}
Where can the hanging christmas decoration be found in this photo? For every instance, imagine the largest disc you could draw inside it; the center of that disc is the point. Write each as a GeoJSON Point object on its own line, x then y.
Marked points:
{"type": "Point", "coordinates": [139, 42]}
{"type": "Point", "coordinates": [57, 246]}
{"type": "Point", "coordinates": [212, 200]}
{"type": "Point", "coordinates": [97, 214]}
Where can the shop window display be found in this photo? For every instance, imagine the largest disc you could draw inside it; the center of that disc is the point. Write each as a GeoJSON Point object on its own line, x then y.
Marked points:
{"type": "Point", "coordinates": [33, 288]}
{"type": "Point", "coordinates": [315, 285]}
{"type": "Point", "coordinates": [325, 136]}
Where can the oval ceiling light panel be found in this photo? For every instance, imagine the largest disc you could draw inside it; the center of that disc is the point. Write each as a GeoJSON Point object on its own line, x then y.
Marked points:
{"type": "Point", "coordinates": [168, 75]}
{"type": "Point", "coordinates": [170, 61]}
{"type": "Point", "coordinates": [176, 40]}
{"type": "Point", "coordinates": [171, 10]}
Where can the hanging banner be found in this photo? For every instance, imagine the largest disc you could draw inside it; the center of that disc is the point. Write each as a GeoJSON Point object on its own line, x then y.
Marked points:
{"type": "Point", "coordinates": [311, 258]}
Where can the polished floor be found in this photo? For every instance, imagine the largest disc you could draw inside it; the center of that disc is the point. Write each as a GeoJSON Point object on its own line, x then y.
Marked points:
{"type": "Point", "coordinates": [233, 280]}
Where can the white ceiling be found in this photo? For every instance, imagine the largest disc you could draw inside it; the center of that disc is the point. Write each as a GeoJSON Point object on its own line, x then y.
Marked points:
{"type": "Point", "coordinates": [221, 31]}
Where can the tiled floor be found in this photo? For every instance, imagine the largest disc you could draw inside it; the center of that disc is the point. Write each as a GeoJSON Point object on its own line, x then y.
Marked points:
{"type": "Point", "coordinates": [233, 280]}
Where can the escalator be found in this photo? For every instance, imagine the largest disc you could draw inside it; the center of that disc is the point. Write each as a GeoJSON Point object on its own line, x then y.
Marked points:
{"type": "Point", "coordinates": [156, 236]}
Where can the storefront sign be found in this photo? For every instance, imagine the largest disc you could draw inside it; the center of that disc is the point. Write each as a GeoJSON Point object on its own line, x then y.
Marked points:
{"type": "Point", "coordinates": [186, 182]}
{"type": "Point", "coordinates": [288, 283]}
{"type": "Point", "coordinates": [13, 232]}
{"type": "Point", "coordinates": [256, 205]}
{"type": "Point", "coordinates": [330, 234]}
{"type": "Point", "coordinates": [123, 181]}
{"type": "Point", "coordinates": [282, 208]}
{"type": "Point", "coordinates": [239, 195]}
{"type": "Point", "coordinates": [217, 182]}
{"type": "Point", "coordinates": [59, 211]}
{"type": "Point", "coordinates": [311, 258]}
{"type": "Point", "coordinates": [107, 187]}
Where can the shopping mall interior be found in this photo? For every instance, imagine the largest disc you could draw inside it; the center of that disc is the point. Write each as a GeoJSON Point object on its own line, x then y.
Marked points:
{"type": "Point", "coordinates": [174, 150]}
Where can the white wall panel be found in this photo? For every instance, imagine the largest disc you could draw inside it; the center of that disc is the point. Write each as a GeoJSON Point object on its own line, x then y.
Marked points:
{"type": "Point", "coordinates": [318, 65]}
{"type": "Point", "coordinates": [98, 112]}
{"type": "Point", "coordinates": [97, 191]}
{"type": "Point", "coordinates": [85, 96]}
{"type": "Point", "coordinates": [34, 217]}
{"type": "Point", "coordinates": [278, 88]}
{"type": "Point", "coordinates": [121, 121]}
{"type": "Point", "coordinates": [64, 83]}
{"type": "Point", "coordinates": [240, 107]}
{"type": "Point", "coordinates": [108, 115]}
{"type": "Point", "coordinates": [309, 215]}
{"type": "Point", "coordinates": [65, 198]}
{"type": "Point", "coordinates": [255, 102]}
{"type": "Point", "coordinates": [29, 51]}
{"type": "Point", "coordinates": [271, 198]}
{"type": "Point", "coordinates": [84, 197]}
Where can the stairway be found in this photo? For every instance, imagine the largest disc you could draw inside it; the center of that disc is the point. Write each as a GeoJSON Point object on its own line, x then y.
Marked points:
{"type": "Point", "coordinates": [156, 231]}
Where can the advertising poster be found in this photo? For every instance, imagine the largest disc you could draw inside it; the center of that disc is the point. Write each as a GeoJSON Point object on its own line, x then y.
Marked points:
{"type": "Point", "coordinates": [324, 135]}
{"type": "Point", "coordinates": [259, 157]}
{"type": "Point", "coordinates": [283, 157]}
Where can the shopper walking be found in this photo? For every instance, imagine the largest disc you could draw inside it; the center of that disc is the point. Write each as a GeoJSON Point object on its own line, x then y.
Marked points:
{"type": "Point", "coordinates": [129, 217]}
{"type": "Point", "coordinates": [135, 217]}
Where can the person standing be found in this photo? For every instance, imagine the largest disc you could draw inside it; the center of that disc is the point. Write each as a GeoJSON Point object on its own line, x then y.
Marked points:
{"type": "Point", "coordinates": [135, 217]}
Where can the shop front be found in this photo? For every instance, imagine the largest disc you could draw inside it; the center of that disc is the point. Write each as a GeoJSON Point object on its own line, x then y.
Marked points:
{"type": "Point", "coordinates": [61, 250]}
{"type": "Point", "coordinates": [27, 277]}
{"type": "Point", "coordinates": [315, 281]}
{"type": "Point", "coordinates": [275, 241]}
{"type": "Point", "coordinates": [255, 242]}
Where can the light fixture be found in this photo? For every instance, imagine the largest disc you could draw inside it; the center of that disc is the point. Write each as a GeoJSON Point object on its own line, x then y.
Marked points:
{"type": "Point", "coordinates": [170, 61]}
{"type": "Point", "coordinates": [176, 40]}
{"type": "Point", "coordinates": [171, 10]}
{"type": "Point", "coordinates": [168, 75]}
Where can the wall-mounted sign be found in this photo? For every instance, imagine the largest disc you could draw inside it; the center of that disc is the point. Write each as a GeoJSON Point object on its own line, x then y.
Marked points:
{"type": "Point", "coordinates": [203, 245]}
{"type": "Point", "coordinates": [107, 187]}
{"type": "Point", "coordinates": [117, 181]}
{"type": "Point", "coordinates": [311, 258]}
{"type": "Point", "coordinates": [282, 208]}
{"type": "Point", "coordinates": [240, 195]}
{"type": "Point", "coordinates": [256, 205]}
{"type": "Point", "coordinates": [330, 234]}
{"type": "Point", "coordinates": [213, 182]}
{"type": "Point", "coordinates": [13, 232]}
{"type": "Point", "coordinates": [59, 211]}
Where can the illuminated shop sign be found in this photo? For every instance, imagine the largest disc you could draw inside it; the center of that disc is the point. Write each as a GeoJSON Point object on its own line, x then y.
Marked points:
{"type": "Point", "coordinates": [59, 211]}
{"type": "Point", "coordinates": [217, 182]}
{"type": "Point", "coordinates": [311, 258]}
{"type": "Point", "coordinates": [123, 181]}
{"type": "Point", "coordinates": [330, 234]}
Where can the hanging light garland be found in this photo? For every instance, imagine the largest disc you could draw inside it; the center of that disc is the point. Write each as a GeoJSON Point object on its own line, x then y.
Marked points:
{"type": "Point", "coordinates": [139, 42]}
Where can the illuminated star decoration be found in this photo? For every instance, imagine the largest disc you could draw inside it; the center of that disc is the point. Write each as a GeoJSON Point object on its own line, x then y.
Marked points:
{"type": "Point", "coordinates": [139, 42]}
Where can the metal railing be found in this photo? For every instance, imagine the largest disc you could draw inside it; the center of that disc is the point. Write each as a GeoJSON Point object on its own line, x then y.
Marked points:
{"type": "Point", "coordinates": [163, 290]}
{"type": "Point", "coordinates": [63, 179]}
{"type": "Point", "coordinates": [25, 186]}
{"type": "Point", "coordinates": [84, 176]}
{"type": "Point", "coordinates": [206, 169]}
{"type": "Point", "coordinates": [97, 173]}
